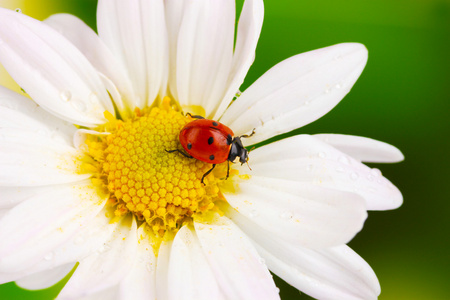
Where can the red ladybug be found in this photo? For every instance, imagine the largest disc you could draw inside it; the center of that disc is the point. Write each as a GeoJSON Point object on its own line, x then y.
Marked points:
{"type": "Point", "coordinates": [211, 142]}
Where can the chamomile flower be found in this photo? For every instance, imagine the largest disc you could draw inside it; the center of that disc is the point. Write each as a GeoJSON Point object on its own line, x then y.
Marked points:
{"type": "Point", "coordinates": [86, 178]}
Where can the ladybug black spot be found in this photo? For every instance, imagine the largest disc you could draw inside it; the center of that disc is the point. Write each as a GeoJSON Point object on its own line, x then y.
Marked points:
{"type": "Point", "coordinates": [211, 157]}
{"type": "Point", "coordinates": [215, 124]}
{"type": "Point", "coordinates": [189, 146]}
{"type": "Point", "coordinates": [210, 140]}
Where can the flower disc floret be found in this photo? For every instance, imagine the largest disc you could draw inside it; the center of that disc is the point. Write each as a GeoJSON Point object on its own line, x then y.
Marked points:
{"type": "Point", "coordinates": [141, 177]}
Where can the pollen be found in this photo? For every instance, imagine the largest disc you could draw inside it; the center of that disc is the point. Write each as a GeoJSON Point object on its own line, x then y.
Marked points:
{"type": "Point", "coordinates": [135, 167]}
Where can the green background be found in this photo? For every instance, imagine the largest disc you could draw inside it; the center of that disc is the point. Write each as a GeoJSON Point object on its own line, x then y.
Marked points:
{"type": "Point", "coordinates": [402, 98]}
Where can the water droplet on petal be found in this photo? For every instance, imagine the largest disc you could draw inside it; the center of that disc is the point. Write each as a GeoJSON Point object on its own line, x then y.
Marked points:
{"type": "Point", "coordinates": [80, 106]}
{"type": "Point", "coordinates": [338, 85]}
{"type": "Point", "coordinates": [370, 177]}
{"type": "Point", "coordinates": [344, 159]}
{"type": "Point", "coordinates": [65, 96]}
{"type": "Point", "coordinates": [149, 267]}
{"type": "Point", "coordinates": [57, 137]}
{"type": "Point", "coordinates": [354, 176]}
{"type": "Point", "coordinates": [103, 248]}
{"type": "Point", "coordinates": [94, 98]}
{"type": "Point", "coordinates": [41, 132]}
{"type": "Point", "coordinates": [327, 91]}
{"type": "Point", "coordinates": [49, 256]}
{"type": "Point", "coordinates": [78, 240]}
{"type": "Point", "coordinates": [340, 169]}
{"type": "Point", "coordinates": [375, 172]}
{"type": "Point", "coordinates": [306, 103]}
{"type": "Point", "coordinates": [254, 213]}
{"type": "Point", "coordinates": [286, 215]}
{"type": "Point", "coordinates": [18, 10]}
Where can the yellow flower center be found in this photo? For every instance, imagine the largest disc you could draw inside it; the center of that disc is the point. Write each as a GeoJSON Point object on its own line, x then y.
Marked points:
{"type": "Point", "coordinates": [133, 167]}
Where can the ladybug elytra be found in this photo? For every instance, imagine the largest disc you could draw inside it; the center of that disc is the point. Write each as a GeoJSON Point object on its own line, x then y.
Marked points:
{"type": "Point", "coordinates": [212, 142]}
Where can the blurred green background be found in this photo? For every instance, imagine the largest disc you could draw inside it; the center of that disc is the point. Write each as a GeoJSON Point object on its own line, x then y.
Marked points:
{"type": "Point", "coordinates": [401, 98]}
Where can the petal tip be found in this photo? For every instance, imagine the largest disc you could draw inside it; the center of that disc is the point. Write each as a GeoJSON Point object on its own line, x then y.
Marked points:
{"type": "Point", "coordinates": [397, 155]}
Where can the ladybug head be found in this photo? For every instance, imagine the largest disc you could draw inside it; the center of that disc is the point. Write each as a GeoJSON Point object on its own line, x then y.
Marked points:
{"type": "Point", "coordinates": [238, 150]}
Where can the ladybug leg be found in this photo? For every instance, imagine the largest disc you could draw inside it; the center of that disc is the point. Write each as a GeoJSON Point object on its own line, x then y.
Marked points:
{"type": "Point", "coordinates": [176, 150]}
{"type": "Point", "coordinates": [228, 169]}
{"type": "Point", "coordinates": [209, 171]}
{"type": "Point", "coordinates": [248, 135]}
{"type": "Point", "coordinates": [194, 116]}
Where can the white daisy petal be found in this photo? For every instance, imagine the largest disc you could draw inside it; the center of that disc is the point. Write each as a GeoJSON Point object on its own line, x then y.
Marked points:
{"type": "Point", "coordinates": [122, 103]}
{"type": "Point", "coordinates": [14, 195]}
{"type": "Point", "coordinates": [334, 273]}
{"type": "Point", "coordinates": [299, 213]}
{"type": "Point", "coordinates": [96, 233]}
{"type": "Point", "coordinates": [53, 217]}
{"type": "Point", "coordinates": [17, 111]}
{"type": "Point", "coordinates": [45, 279]}
{"type": "Point", "coordinates": [239, 269]}
{"type": "Point", "coordinates": [297, 91]}
{"type": "Point", "coordinates": [88, 42]}
{"type": "Point", "coordinates": [3, 212]}
{"type": "Point", "coordinates": [106, 294]}
{"type": "Point", "coordinates": [55, 74]}
{"type": "Point", "coordinates": [328, 273]}
{"type": "Point", "coordinates": [162, 269]}
{"type": "Point", "coordinates": [139, 283]}
{"type": "Point", "coordinates": [134, 31]}
{"type": "Point", "coordinates": [105, 269]}
{"type": "Point", "coordinates": [174, 15]}
{"type": "Point", "coordinates": [90, 239]}
{"type": "Point", "coordinates": [29, 159]}
{"type": "Point", "coordinates": [249, 29]}
{"type": "Point", "coordinates": [188, 267]}
{"type": "Point", "coordinates": [81, 135]}
{"type": "Point", "coordinates": [306, 159]}
{"type": "Point", "coordinates": [204, 52]}
{"type": "Point", "coordinates": [362, 148]}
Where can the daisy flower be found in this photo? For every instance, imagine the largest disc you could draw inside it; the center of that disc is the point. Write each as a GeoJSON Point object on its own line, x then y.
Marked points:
{"type": "Point", "coordinates": [87, 182]}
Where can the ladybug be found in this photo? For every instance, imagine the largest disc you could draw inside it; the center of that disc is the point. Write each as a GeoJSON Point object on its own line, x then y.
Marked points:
{"type": "Point", "coordinates": [212, 142]}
